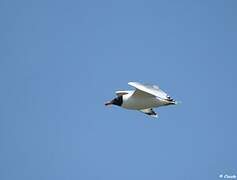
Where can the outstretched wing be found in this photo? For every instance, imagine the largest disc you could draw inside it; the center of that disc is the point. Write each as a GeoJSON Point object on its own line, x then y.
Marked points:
{"type": "Point", "coordinates": [149, 112]}
{"type": "Point", "coordinates": [148, 89]}
{"type": "Point", "coordinates": [121, 93]}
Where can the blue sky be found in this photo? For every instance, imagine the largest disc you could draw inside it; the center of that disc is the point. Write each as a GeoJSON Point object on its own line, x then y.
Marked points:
{"type": "Point", "coordinates": [61, 60]}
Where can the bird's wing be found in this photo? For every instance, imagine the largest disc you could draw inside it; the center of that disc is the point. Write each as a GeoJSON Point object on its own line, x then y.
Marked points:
{"type": "Point", "coordinates": [149, 112]}
{"type": "Point", "coordinates": [152, 90]}
{"type": "Point", "coordinates": [120, 93]}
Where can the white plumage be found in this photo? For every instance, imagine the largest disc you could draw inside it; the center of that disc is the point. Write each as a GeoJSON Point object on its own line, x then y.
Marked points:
{"type": "Point", "coordinates": [143, 98]}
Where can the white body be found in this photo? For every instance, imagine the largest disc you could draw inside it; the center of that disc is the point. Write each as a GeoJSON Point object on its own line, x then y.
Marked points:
{"type": "Point", "coordinates": [141, 102]}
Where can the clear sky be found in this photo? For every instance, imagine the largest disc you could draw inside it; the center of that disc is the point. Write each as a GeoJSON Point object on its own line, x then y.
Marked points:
{"type": "Point", "coordinates": [61, 60]}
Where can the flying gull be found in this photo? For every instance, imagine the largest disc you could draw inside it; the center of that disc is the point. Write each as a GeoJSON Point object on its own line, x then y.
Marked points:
{"type": "Point", "coordinates": [144, 98]}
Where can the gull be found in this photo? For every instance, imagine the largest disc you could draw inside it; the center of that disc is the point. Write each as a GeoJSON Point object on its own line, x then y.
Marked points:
{"type": "Point", "coordinates": [144, 98]}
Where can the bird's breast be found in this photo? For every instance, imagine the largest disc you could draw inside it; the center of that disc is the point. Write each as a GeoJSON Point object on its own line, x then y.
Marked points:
{"type": "Point", "coordinates": [130, 102]}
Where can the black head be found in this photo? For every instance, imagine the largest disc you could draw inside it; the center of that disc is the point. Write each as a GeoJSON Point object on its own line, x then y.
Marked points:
{"type": "Point", "coordinates": [116, 101]}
